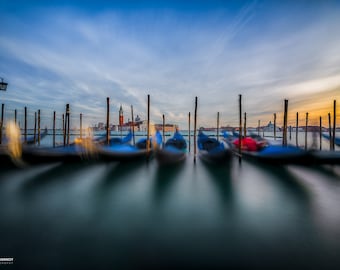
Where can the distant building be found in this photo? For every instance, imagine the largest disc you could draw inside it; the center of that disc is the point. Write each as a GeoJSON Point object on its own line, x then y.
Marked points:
{"type": "Point", "coordinates": [121, 116]}
{"type": "Point", "coordinates": [101, 125]}
{"type": "Point", "coordinates": [270, 127]}
{"type": "Point", "coordinates": [167, 127]}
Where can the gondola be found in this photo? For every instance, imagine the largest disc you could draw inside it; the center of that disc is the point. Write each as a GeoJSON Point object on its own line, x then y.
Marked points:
{"type": "Point", "coordinates": [336, 141]}
{"type": "Point", "coordinates": [34, 139]}
{"type": "Point", "coordinates": [324, 157]}
{"type": "Point", "coordinates": [127, 152]}
{"type": "Point", "coordinates": [29, 140]}
{"type": "Point", "coordinates": [84, 149]}
{"type": "Point", "coordinates": [211, 150]}
{"type": "Point", "coordinates": [174, 150]}
{"type": "Point", "coordinates": [260, 150]}
{"type": "Point", "coordinates": [68, 154]}
{"type": "Point", "coordinates": [114, 140]}
{"type": "Point", "coordinates": [280, 155]}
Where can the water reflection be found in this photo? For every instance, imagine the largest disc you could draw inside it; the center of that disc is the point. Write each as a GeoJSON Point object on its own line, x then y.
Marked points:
{"type": "Point", "coordinates": [286, 180]}
{"type": "Point", "coordinates": [221, 178]}
{"type": "Point", "coordinates": [55, 175]}
{"type": "Point", "coordinates": [332, 171]}
{"type": "Point", "coordinates": [165, 178]}
{"type": "Point", "coordinates": [118, 171]}
{"type": "Point", "coordinates": [246, 215]}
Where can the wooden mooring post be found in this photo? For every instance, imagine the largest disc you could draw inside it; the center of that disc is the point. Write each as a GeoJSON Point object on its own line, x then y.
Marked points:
{"type": "Point", "coordinates": [240, 128]}
{"type": "Point", "coordinates": [39, 130]}
{"type": "Point", "coordinates": [297, 129]}
{"type": "Point", "coordinates": [218, 126]}
{"type": "Point", "coordinates": [189, 135]}
{"type": "Point", "coordinates": [81, 126]}
{"type": "Point", "coordinates": [25, 126]}
{"type": "Point", "coordinates": [148, 128]}
{"type": "Point", "coordinates": [306, 130]}
{"type": "Point", "coordinates": [54, 120]}
{"type": "Point", "coordinates": [330, 131]}
{"type": "Point", "coordinates": [107, 120]}
{"type": "Point", "coordinates": [334, 124]}
{"type": "Point", "coordinates": [63, 126]}
{"type": "Point", "coordinates": [274, 126]}
{"type": "Point", "coordinates": [133, 126]}
{"type": "Point", "coordinates": [163, 128]}
{"type": "Point", "coordinates": [195, 130]}
{"type": "Point", "coordinates": [68, 124]}
{"type": "Point", "coordinates": [320, 133]}
{"type": "Point", "coordinates": [35, 128]}
{"type": "Point", "coordinates": [245, 125]}
{"type": "Point", "coordinates": [285, 114]}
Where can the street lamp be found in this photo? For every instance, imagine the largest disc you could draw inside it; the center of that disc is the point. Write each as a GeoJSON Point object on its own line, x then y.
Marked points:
{"type": "Point", "coordinates": [3, 85]}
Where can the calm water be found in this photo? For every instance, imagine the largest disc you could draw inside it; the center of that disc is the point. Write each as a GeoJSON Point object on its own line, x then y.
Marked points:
{"type": "Point", "coordinates": [142, 215]}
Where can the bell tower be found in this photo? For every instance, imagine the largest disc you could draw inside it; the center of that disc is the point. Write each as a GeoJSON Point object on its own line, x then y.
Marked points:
{"type": "Point", "coordinates": [121, 116]}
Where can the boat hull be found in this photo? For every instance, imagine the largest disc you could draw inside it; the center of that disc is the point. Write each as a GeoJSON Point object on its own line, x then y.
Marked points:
{"type": "Point", "coordinates": [123, 153]}
{"type": "Point", "coordinates": [215, 158]}
{"type": "Point", "coordinates": [165, 156]}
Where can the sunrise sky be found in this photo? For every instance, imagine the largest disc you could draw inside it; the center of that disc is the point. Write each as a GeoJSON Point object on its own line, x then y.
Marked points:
{"type": "Point", "coordinates": [80, 52]}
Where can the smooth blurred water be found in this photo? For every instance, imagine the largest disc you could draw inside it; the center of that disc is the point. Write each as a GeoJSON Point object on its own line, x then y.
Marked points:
{"type": "Point", "coordinates": [142, 215]}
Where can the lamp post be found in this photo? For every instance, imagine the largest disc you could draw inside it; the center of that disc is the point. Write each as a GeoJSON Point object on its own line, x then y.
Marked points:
{"type": "Point", "coordinates": [3, 87]}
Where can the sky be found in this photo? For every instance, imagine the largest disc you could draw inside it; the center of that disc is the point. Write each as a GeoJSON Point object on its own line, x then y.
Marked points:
{"type": "Point", "coordinates": [80, 52]}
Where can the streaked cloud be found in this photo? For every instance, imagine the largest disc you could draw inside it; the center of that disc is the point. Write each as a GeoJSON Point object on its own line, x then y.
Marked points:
{"type": "Point", "coordinates": [266, 53]}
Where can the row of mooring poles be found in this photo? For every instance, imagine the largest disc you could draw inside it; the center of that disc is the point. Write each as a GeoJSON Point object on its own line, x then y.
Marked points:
{"type": "Point", "coordinates": [25, 124]}
{"type": "Point", "coordinates": [331, 130]}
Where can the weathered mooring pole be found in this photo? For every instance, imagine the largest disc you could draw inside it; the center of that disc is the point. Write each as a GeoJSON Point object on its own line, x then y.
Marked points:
{"type": "Point", "coordinates": [195, 130]}
{"type": "Point", "coordinates": [189, 135]}
{"type": "Point", "coordinates": [107, 120]}
{"type": "Point", "coordinates": [284, 141]}
{"type": "Point", "coordinates": [306, 130]}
